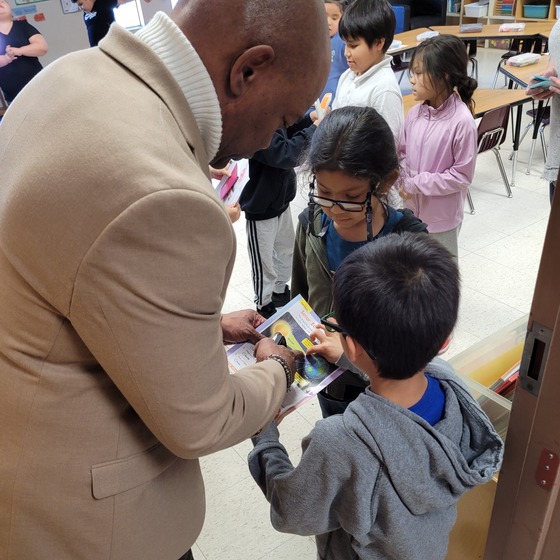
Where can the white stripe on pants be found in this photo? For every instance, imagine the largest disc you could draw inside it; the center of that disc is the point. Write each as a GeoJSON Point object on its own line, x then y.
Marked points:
{"type": "Point", "coordinates": [271, 245]}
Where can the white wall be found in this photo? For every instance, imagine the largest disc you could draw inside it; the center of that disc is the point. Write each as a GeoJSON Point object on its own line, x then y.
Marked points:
{"type": "Point", "coordinates": [67, 33]}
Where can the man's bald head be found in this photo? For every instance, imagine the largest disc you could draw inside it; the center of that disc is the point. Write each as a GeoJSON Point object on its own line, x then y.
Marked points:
{"type": "Point", "coordinates": [268, 61]}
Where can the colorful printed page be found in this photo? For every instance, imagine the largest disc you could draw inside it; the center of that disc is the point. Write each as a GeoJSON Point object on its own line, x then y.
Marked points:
{"type": "Point", "coordinates": [294, 322]}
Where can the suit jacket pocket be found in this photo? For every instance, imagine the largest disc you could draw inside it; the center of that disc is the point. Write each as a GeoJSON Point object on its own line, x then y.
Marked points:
{"type": "Point", "coordinates": [120, 475]}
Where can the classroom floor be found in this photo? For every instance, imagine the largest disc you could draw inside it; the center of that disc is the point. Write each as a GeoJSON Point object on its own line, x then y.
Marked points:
{"type": "Point", "coordinates": [500, 248]}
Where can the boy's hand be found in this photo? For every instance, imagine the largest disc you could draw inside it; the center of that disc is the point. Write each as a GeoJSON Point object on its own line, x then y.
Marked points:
{"type": "Point", "coordinates": [329, 345]}
{"type": "Point", "coordinates": [234, 212]}
{"type": "Point", "coordinates": [219, 173]}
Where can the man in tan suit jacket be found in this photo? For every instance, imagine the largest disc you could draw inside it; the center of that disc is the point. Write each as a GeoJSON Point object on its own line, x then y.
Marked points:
{"type": "Point", "coordinates": [115, 256]}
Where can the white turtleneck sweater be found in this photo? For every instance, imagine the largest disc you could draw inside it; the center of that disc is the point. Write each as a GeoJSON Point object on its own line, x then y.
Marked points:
{"type": "Point", "coordinates": [166, 39]}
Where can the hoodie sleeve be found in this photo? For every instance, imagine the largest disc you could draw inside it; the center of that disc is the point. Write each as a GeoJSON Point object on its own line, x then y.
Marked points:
{"type": "Point", "coordinates": [319, 495]}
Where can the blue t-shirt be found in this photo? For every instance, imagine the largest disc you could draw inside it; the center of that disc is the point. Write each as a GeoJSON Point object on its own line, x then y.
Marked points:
{"type": "Point", "coordinates": [430, 407]}
{"type": "Point", "coordinates": [338, 248]}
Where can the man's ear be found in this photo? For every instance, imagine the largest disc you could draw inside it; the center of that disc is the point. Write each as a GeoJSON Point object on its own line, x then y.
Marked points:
{"type": "Point", "coordinates": [247, 67]}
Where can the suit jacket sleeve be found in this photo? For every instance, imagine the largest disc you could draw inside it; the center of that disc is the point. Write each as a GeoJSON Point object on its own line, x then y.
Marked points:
{"type": "Point", "coordinates": [147, 303]}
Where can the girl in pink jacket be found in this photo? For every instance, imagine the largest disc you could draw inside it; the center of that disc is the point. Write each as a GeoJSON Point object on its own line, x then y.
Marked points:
{"type": "Point", "coordinates": [439, 143]}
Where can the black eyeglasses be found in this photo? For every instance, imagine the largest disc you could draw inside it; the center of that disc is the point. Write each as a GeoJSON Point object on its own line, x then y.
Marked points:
{"type": "Point", "coordinates": [331, 326]}
{"type": "Point", "coordinates": [345, 205]}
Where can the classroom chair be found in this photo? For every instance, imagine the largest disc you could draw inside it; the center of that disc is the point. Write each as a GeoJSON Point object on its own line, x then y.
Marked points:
{"type": "Point", "coordinates": [545, 121]}
{"type": "Point", "coordinates": [492, 131]}
{"type": "Point", "coordinates": [402, 15]}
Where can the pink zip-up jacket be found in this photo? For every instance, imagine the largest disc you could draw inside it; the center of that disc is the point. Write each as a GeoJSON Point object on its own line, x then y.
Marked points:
{"type": "Point", "coordinates": [438, 154]}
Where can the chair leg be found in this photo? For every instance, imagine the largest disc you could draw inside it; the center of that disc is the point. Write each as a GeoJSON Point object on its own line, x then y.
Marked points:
{"type": "Point", "coordinates": [523, 134]}
{"type": "Point", "coordinates": [543, 142]}
{"type": "Point", "coordinates": [528, 171]}
{"type": "Point", "coordinates": [474, 68]}
{"type": "Point", "coordinates": [497, 74]}
{"type": "Point", "coordinates": [469, 200]}
{"type": "Point", "coordinates": [503, 172]}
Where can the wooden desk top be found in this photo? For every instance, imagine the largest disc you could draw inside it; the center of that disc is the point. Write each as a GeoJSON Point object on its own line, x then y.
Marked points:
{"type": "Point", "coordinates": [408, 39]}
{"type": "Point", "coordinates": [491, 31]}
{"type": "Point", "coordinates": [521, 75]}
{"type": "Point", "coordinates": [484, 99]}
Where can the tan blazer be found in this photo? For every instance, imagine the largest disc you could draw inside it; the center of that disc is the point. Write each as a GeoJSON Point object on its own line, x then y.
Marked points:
{"type": "Point", "coordinates": [115, 255]}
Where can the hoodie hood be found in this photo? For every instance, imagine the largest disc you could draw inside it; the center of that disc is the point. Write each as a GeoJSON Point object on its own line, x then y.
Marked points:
{"type": "Point", "coordinates": [429, 467]}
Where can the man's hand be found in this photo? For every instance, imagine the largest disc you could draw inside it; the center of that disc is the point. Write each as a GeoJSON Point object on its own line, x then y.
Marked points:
{"type": "Point", "coordinates": [240, 326]}
{"type": "Point", "coordinates": [266, 346]}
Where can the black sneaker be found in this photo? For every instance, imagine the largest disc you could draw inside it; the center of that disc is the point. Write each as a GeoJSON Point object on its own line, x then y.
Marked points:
{"type": "Point", "coordinates": [279, 300]}
{"type": "Point", "coordinates": [267, 311]}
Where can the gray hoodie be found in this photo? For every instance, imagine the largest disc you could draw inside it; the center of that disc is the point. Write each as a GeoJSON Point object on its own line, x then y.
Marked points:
{"type": "Point", "coordinates": [379, 482]}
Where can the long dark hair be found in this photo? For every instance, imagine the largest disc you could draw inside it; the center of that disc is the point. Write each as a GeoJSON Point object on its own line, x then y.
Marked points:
{"type": "Point", "coordinates": [356, 141]}
{"type": "Point", "coordinates": [445, 61]}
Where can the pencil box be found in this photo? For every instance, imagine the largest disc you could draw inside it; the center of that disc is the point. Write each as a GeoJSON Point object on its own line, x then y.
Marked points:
{"type": "Point", "coordinates": [470, 28]}
{"type": "Point", "coordinates": [524, 59]}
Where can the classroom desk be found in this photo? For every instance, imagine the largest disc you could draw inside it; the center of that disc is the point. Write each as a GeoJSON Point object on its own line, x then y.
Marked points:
{"type": "Point", "coordinates": [520, 76]}
{"type": "Point", "coordinates": [487, 99]}
{"type": "Point", "coordinates": [491, 31]}
{"type": "Point", "coordinates": [408, 39]}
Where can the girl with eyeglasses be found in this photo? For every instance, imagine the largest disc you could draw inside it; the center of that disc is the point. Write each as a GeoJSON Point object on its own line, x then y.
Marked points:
{"type": "Point", "coordinates": [353, 163]}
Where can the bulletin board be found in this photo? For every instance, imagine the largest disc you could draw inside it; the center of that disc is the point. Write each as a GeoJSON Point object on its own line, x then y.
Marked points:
{"type": "Point", "coordinates": [68, 7]}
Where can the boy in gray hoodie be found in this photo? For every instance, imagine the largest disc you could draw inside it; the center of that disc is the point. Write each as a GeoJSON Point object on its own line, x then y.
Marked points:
{"type": "Point", "coordinates": [381, 481]}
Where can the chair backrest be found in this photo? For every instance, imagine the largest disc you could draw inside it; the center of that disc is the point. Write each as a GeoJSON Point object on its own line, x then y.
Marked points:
{"type": "Point", "coordinates": [402, 14]}
{"type": "Point", "coordinates": [492, 128]}
{"type": "Point", "coordinates": [425, 13]}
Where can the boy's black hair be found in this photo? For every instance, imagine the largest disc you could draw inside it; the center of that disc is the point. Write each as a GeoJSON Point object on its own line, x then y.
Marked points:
{"type": "Point", "coordinates": [370, 20]}
{"type": "Point", "coordinates": [445, 62]}
{"type": "Point", "coordinates": [399, 298]}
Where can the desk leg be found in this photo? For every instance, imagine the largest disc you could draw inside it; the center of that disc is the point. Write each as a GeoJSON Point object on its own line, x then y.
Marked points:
{"type": "Point", "coordinates": [537, 123]}
{"type": "Point", "coordinates": [516, 142]}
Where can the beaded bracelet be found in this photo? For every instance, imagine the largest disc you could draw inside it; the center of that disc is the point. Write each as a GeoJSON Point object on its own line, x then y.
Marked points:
{"type": "Point", "coordinates": [287, 370]}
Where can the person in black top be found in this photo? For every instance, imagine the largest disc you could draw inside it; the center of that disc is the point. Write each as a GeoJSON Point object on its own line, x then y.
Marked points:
{"type": "Point", "coordinates": [20, 46]}
{"type": "Point", "coordinates": [266, 202]}
{"type": "Point", "coordinates": [98, 17]}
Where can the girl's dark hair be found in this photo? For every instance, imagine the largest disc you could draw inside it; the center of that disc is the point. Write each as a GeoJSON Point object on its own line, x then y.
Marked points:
{"type": "Point", "coordinates": [355, 140]}
{"type": "Point", "coordinates": [399, 298]}
{"type": "Point", "coordinates": [445, 61]}
{"type": "Point", "coordinates": [370, 20]}
{"type": "Point", "coordinates": [340, 3]}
